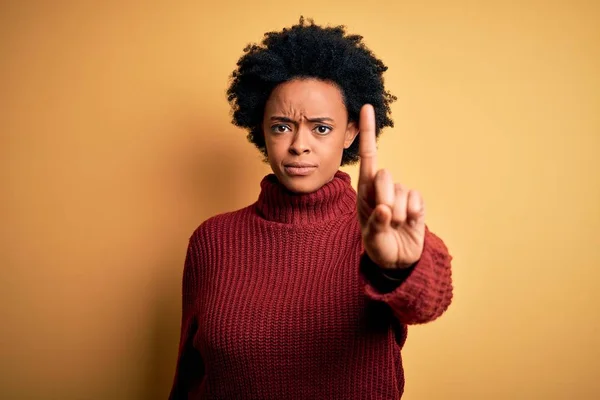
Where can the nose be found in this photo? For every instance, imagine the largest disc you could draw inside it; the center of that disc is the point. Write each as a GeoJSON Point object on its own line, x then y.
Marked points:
{"type": "Point", "coordinates": [300, 142]}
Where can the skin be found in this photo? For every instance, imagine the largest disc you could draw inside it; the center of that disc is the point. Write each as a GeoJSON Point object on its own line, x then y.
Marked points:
{"type": "Point", "coordinates": [306, 121]}
{"type": "Point", "coordinates": [391, 216]}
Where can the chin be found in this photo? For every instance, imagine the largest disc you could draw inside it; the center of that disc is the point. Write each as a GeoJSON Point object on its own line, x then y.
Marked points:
{"type": "Point", "coordinates": [301, 185]}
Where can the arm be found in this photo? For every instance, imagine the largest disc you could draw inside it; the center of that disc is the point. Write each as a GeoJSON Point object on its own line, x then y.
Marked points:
{"type": "Point", "coordinates": [396, 240]}
{"type": "Point", "coordinates": [189, 369]}
{"type": "Point", "coordinates": [418, 294]}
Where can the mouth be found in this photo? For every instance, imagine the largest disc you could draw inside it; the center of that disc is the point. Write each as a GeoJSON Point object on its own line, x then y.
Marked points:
{"type": "Point", "coordinates": [299, 168]}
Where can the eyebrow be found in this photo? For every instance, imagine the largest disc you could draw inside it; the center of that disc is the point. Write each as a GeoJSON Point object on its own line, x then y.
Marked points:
{"type": "Point", "coordinates": [316, 119]}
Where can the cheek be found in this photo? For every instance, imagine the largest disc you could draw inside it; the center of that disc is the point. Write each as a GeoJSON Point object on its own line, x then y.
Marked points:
{"type": "Point", "coordinates": [274, 146]}
{"type": "Point", "coordinates": [336, 144]}
{"type": "Point", "coordinates": [267, 138]}
{"type": "Point", "coordinates": [330, 150]}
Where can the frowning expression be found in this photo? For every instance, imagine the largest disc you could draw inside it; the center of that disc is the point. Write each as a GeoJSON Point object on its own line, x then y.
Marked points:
{"type": "Point", "coordinates": [306, 130]}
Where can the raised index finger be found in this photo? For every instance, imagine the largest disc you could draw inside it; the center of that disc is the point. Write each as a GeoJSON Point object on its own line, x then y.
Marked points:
{"type": "Point", "coordinates": [367, 149]}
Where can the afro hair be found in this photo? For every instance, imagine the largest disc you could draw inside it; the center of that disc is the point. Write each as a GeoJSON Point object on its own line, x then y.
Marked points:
{"type": "Point", "coordinates": [307, 50]}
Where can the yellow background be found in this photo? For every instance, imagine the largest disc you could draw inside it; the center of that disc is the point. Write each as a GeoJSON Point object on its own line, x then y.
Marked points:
{"type": "Point", "coordinates": [116, 143]}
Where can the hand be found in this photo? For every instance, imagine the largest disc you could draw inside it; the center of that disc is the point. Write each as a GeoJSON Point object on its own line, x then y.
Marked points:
{"type": "Point", "coordinates": [391, 216]}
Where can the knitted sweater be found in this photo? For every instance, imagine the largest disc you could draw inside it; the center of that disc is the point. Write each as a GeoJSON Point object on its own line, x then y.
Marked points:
{"type": "Point", "coordinates": [281, 302]}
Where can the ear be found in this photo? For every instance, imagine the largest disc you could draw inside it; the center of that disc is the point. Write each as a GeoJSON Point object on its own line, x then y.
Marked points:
{"type": "Point", "coordinates": [351, 133]}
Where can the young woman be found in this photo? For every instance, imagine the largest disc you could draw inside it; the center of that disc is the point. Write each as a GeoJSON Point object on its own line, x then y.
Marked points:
{"type": "Point", "coordinates": [308, 292]}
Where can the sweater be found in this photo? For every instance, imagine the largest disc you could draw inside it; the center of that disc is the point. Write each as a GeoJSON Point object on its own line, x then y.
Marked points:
{"type": "Point", "coordinates": [280, 301]}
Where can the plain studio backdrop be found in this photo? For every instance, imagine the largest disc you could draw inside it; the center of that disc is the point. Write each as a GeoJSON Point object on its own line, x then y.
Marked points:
{"type": "Point", "coordinates": [116, 143]}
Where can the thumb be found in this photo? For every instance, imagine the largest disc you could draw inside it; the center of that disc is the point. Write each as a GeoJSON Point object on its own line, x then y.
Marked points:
{"type": "Point", "coordinates": [380, 218]}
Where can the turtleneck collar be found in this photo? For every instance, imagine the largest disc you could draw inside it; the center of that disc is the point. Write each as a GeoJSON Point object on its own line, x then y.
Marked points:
{"type": "Point", "coordinates": [335, 198]}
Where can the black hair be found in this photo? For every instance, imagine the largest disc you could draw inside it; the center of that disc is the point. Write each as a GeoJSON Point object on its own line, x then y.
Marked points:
{"type": "Point", "coordinates": [307, 50]}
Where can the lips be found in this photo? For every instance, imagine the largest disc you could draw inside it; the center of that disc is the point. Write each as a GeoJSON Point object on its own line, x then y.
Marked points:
{"type": "Point", "coordinates": [300, 165]}
{"type": "Point", "coordinates": [299, 168]}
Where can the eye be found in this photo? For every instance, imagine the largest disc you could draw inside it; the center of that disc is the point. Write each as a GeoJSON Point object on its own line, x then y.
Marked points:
{"type": "Point", "coordinates": [280, 128]}
{"type": "Point", "coordinates": [322, 129]}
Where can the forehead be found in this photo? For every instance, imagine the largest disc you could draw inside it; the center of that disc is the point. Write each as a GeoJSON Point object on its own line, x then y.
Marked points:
{"type": "Point", "coordinates": [310, 97]}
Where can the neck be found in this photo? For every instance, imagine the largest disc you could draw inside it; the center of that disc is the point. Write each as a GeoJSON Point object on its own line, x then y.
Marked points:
{"type": "Point", "coordinates": [335, 198]}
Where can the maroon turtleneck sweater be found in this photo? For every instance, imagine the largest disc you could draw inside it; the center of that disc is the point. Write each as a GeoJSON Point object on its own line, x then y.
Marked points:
{"type": "Point", "coordinates": [280, 302]}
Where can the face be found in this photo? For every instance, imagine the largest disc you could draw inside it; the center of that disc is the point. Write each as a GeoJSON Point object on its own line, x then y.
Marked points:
{"type": "Point", "coordinates": [306, 130]}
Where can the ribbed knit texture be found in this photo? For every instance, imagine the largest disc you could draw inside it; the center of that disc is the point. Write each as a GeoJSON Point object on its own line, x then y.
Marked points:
{"type": "Point", "coordinates": [279, 302]}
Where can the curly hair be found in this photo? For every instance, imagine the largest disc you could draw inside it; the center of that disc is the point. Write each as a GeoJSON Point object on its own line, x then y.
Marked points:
{"type": "Point", "coordinates": [307, 50]}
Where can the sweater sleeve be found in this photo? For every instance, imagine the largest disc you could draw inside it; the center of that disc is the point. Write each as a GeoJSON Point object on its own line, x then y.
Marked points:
{"type": "Point", "coordinates": [418, 294]}
{"type": "Point", "coordinates": [189, 370]}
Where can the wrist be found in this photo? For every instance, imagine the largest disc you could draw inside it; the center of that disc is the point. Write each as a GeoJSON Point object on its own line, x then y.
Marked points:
{"type": "Point", "coordinates": [383, 279]}
{"type": "Point", "coordinates": [399, 273]}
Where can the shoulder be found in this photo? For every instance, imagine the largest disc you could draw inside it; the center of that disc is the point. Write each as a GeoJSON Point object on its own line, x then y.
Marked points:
{"type": "Point", "coordinates": [221, 223]}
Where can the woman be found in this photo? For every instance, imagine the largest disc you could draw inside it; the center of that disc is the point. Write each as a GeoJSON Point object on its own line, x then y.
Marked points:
{"type": "Point", "coordinates": [307, 293]}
